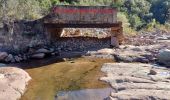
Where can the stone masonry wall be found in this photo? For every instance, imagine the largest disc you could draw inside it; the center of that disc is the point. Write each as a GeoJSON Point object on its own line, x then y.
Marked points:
{"type": "Point", "coordinates": [16, 37]}
{"type": "Point", "coordinates": [81, 43]}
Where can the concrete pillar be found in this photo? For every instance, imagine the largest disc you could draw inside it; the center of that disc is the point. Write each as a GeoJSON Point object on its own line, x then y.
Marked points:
{"type": "Point", "coordinates": [117, 36]}
{"type": "Point", "coordinates": [114, 42]}
{"type": "Point", "coordinates": [120, 36]}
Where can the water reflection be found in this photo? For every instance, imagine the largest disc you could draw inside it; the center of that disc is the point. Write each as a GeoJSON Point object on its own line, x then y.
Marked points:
{"type": "Point", "coordinates": [86, 94]}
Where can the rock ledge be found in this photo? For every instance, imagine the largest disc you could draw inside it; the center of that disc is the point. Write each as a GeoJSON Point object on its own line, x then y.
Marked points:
{"type": "Point", "coordinates": [134, 81]}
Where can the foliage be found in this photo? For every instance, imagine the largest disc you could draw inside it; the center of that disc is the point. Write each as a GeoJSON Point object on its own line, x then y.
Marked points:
{"type": "Point", "coordinates": [135, 14]}
{"type": "Point", "coordinates": [161, 10]}
{"type": "Point", "coordinates": [126, 25]}
{"type": "Point", "coordinates": [20, 9]}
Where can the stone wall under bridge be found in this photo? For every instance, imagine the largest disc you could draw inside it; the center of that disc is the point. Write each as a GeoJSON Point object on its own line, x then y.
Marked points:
{"type": "Point", "coordinates": [19, 36]}
{"type": "Point", "coordinates": [79, 39]}
{"type": "Point", "coordinates": [81, 43]}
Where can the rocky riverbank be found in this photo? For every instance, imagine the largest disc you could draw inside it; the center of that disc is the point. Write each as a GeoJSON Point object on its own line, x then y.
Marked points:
{"type": "Point", "coordinates": [13, 82]}
{"type": "Point", "coordinates": [144, 48]}
{"type": "Point", "coordinates": [33, 53]}
{"type": "Point", "coordinates": [137, 81]}
{"type": "Point", "coordinates": [142, 52]}
{"type": "Point", "coordinates": [130, 78]}
{"type": "Point", "coordinates": [62, 45]}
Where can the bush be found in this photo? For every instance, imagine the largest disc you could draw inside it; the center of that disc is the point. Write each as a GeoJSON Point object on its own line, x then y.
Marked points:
{"type": "Point", "coordinates": [126, 25]}
{"type": "Point", "coordinates": [156, 25]}
{"type": "Point", "coordinates": [20, 9]}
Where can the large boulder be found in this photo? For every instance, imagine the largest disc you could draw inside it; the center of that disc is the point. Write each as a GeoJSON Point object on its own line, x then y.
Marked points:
{"type": "Point", "coordinates": [3, 55]}
{"type": "Point", "coordinates": [164, 57]}
{"type": "Point", "coordinates": [13, 82]}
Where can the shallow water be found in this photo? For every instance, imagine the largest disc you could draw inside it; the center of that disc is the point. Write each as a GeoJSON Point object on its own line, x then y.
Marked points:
{"type": "Point", "coordinates": [2, 65]}
{"type": "Point", "coordinates": [86, 94]}
{"type": "Point", "coordinates": [50, 76]}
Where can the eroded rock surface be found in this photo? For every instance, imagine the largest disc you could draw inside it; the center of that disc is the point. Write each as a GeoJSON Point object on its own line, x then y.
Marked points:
{"type": "Point", "coordinates": [13, 82]}
{"type": "Point", "coordinates": [135, 81]}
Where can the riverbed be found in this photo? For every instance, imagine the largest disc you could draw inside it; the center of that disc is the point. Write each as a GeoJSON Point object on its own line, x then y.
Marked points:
{"type": "Point", "coordinates": [51, 75]}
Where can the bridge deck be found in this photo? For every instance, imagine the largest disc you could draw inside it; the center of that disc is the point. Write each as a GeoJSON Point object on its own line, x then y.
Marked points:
{"type": "Point", "coordinates": [81, 17]}
{"type": "Point", "coordinates": [58, 25]}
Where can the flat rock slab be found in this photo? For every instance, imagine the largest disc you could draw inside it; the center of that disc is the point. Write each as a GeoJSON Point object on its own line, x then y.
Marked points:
{"type": "Point", "coordinates": [135, 81]}
{"type": "Point", "coordinates": [13, 82]}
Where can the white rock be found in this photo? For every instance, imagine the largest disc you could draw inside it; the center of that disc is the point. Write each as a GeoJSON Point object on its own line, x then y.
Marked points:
{"type": "Point", "coordinates": [106, 51]}
{"type": "Point", "coordinates": [38, 56]}
{"type": "Point", "coordinates": [2, 76]}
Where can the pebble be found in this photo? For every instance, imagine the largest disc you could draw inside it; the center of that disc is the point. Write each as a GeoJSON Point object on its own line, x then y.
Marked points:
{"type": "Point", "coordinates": [152, 72]}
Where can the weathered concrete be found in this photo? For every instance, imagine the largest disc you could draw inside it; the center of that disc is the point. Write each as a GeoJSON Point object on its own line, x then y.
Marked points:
{"type": "Point", "coordinates": [81, 15]}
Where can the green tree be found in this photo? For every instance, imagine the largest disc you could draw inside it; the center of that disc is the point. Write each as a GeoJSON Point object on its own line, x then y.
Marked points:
{"type": "Point", "coordinates": [137, 12]}
{"type": "Point", "coordinates": [135, 21]}
{"type": "Point", "coordinates": [161, 10]}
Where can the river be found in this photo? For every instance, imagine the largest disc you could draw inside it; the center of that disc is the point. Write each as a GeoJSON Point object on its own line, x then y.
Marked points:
{"type": "Point", "coordinates": [51, 76]}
